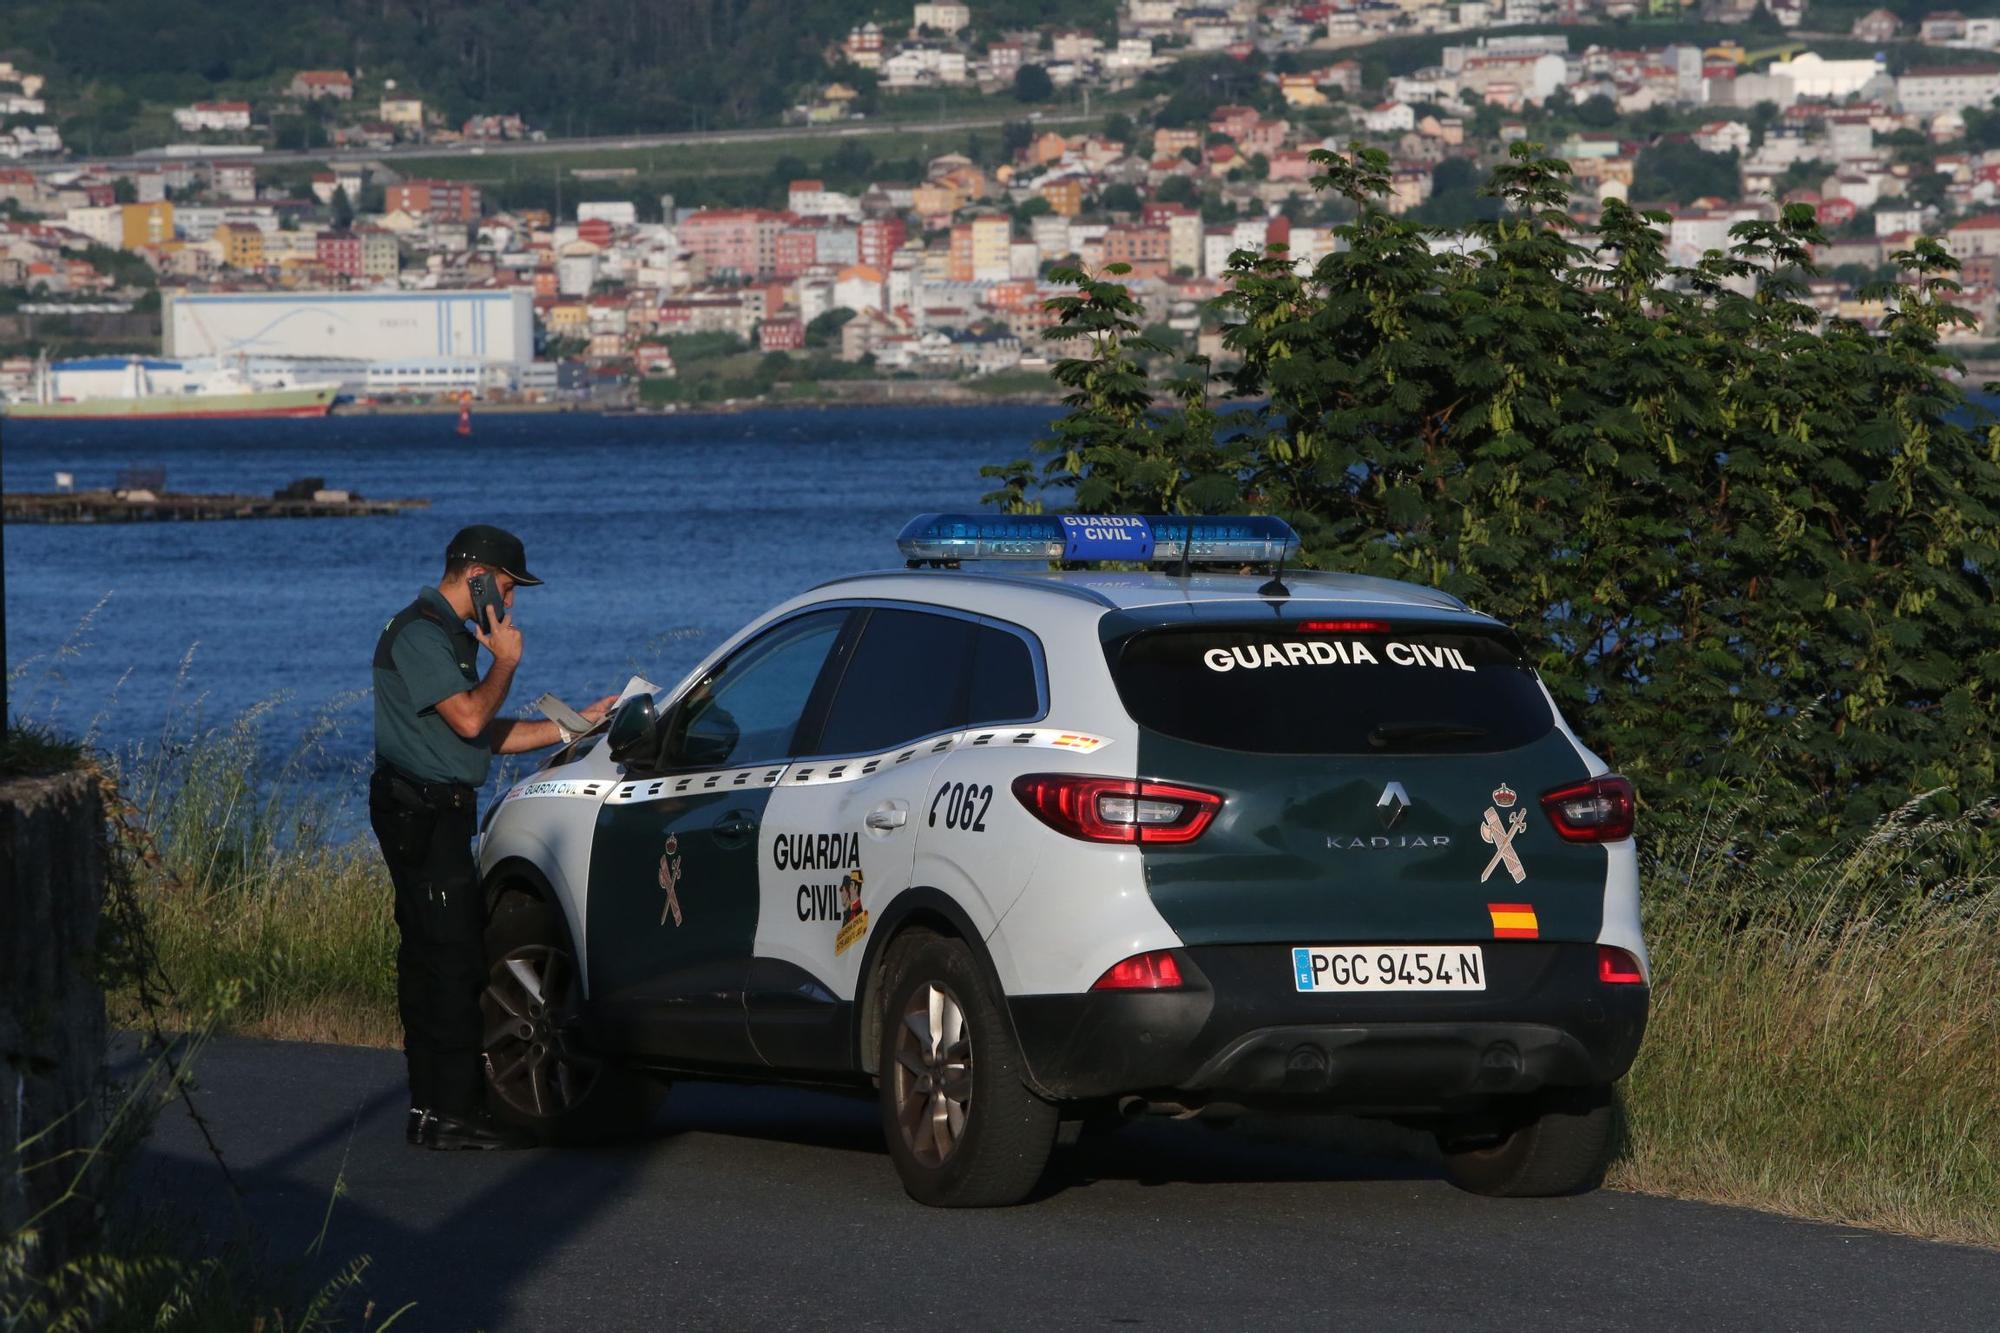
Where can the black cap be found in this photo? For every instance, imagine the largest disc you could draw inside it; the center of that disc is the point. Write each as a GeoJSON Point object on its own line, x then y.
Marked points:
{"type": "Point", "coordinates": [484, 544]}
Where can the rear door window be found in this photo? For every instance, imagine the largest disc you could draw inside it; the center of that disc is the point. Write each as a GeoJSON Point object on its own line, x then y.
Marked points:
{"type": "Point", "coordinates": [906, 679]}
{"type": "Point", "coordinates": [1002, 686]}
{"type": "Point", "coordinates": [1281, 689]}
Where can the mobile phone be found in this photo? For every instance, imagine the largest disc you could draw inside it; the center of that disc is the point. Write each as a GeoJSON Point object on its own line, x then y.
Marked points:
{"type": "Point", "coordinates": [485, 590]}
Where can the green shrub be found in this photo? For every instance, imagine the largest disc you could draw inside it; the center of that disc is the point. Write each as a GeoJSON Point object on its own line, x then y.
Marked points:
{"type": "Point", "coordinates": [1724, 527]}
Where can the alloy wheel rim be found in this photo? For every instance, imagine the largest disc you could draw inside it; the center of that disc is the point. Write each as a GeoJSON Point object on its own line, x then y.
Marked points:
{"type": "Point", "coordinates": [933, 1074]}
{"type": "Point", "coordinates": [534, 1058]}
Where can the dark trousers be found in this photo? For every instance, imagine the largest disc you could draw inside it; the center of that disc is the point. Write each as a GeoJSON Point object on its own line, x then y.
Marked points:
{"type": "Point", "coordinates": [425, 831]}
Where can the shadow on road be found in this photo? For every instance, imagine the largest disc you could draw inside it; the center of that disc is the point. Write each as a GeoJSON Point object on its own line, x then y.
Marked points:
{"type": "Point", "coordinates": [470, 1236]}
{"type": "Point", "coordinates": [747, 1206]}
{"type": "Point", "coordinates": [1151, 1151]}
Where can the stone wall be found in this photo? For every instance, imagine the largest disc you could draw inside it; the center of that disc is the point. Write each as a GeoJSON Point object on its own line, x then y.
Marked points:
{"type": "Point", "coordinates": [52, 1026]}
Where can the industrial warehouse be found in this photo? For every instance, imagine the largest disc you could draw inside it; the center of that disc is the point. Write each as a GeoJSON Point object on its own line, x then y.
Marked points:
{"type": "Point", "coordinates": [369, 342]}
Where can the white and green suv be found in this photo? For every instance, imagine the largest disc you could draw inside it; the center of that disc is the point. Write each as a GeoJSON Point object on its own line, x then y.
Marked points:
{"type": "Point", "coordinates": [1009, 846]}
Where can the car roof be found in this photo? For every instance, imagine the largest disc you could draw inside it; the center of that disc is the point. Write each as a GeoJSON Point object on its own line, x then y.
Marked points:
{"type": "Point", "coordinates": [1140, 589]}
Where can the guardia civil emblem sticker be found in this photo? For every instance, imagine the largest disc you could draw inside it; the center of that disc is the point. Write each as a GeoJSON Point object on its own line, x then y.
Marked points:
{"type": "Point", "coordinates": [1499, 830]}
{"type": "Point", "coordinates": [670, 880]}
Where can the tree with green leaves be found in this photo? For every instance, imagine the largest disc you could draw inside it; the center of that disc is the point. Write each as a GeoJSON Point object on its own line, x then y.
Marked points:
{"type": "Point", "coordinates": [1737, 539]}
{"type": "Point", "coordinates": [1121, 197]}
{"type": "Point", "coordinates": [1676, 171]}
{"type": "Point", "coordinates": [1032, 84]}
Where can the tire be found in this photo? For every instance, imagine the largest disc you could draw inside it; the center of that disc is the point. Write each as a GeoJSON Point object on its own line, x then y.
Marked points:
{"type": "Point", "coordinates": [542, 1074]}
{"type": "Point", "coordinates": [1561, 1142]}
{"type": "Point", "coordinates": [964, 1131]}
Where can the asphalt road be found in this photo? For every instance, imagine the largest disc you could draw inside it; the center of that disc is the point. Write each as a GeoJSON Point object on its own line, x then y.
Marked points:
{"type": "Point", "coordinates": [774, 1208]}
{"type": "Point", "coordinates": [859, 129]}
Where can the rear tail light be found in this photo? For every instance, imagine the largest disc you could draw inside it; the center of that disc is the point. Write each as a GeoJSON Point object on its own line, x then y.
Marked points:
{"type": "Point", "coordinates": [1600, 810]}
{"type": "Point", "coordinates": [1145, 971]}
{"type": "Point", "coordinates": [1116, 809]}
{"type": "Point", "coordinates": [1616, 967]}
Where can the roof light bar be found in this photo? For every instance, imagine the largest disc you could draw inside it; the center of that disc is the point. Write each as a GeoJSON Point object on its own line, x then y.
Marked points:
{"type": "Point", "coordinates": [1140, 539]}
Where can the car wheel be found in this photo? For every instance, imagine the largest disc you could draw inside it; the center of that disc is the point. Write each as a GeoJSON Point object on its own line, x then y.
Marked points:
{"type": "Point", "coordinates": [542, 1074]}
{"type": "Point", "coordinates": [1560, 1142]}
{"type": "Point", "coordinates": [963, 1129]}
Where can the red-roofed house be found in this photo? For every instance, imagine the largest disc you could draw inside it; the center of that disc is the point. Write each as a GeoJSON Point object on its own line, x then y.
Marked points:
{"type": "Point", "coordinates": [1723, 136]}
{"type": "Point", "coordinates": [1291, 164]}
{"type": "Point", "coordinates": [1974, 237]}
{"type": "Point", "coordinates": [786, 334]}
{"type": "Point", "coordinates": [1232, 120]}
{"type": "Point", "coordinates": [311, 83]}
{"type": "Point", "coordinates": [1389, 118]}
{"type": "Point", "coordinates": [1877, 25]}
{"type": "Point", "coordinates": [1263, 136]}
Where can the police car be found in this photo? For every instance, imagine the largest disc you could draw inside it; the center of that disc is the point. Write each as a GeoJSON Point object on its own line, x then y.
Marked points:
{"type": "Point", "coordinates": [1014, 846]}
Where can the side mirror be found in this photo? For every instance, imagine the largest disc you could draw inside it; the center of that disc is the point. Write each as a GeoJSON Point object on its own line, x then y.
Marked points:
{"type": "Point", "coordinates": [709, 740]}
{"type": "Point", "coordinates": [634, 736]}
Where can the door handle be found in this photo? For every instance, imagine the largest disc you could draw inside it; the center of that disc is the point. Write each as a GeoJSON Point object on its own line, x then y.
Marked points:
{"type": "Point", "coordinates": [735, 826]}
{"type": "Point", "coordinates": [884, 820]}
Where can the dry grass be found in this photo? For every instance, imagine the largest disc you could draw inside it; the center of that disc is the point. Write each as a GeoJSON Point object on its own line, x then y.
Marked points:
{"type": "Point", "coordinates": [265, 907]}
{"type": "Point", "coordinates": [312, 945]}
{"type": "Point", "coordinates": [1829, 1045]}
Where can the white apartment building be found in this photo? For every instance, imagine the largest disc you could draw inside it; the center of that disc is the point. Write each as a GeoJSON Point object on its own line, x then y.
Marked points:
{"type": "Point", "coordinates": [920, 66]}
{"type": "Point", "coordinates": [1814, 76]}
{"type": "Point", "coordinates": [104, 226]}
{"type": "Point", "coordinates": [1926, 89]}
{"type": "Point", "coordinates": [947, 17]}
{"type": "Point", "coordinates": [213, 116]}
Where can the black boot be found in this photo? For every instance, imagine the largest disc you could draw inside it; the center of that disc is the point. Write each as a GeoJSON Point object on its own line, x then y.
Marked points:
{"type": "Point", "coordinates": [417, 1131]}
{"type": "Point", "coordinates": [479, 1130]}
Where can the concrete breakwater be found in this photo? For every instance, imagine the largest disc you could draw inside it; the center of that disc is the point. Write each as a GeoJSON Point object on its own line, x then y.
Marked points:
{"type": "Point", "coordinates": [168, 506]}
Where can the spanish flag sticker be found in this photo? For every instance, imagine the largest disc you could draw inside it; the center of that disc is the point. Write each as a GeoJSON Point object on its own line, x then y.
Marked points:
{"type": "Point", "coordinates": [1514, 921]}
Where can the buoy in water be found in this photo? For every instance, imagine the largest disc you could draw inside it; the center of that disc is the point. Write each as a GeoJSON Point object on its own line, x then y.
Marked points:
{"type": "Point", "coordinates": [465, 414]}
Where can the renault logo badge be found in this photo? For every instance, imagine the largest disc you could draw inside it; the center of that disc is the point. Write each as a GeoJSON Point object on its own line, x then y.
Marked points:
{"type": "Point", "coordinates": [1391, 804]}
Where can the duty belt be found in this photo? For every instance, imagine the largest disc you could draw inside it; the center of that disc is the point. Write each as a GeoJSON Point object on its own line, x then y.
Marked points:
{"type": "Point", "coordinates": [437, 795]}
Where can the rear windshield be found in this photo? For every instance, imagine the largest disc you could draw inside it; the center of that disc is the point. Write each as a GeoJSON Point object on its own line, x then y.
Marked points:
{"type": "Point", "coordinates": [1281, 689]}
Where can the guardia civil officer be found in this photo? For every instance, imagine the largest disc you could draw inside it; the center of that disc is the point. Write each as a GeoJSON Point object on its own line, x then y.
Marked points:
{"type": "Point", "coordinates": [436, 731]}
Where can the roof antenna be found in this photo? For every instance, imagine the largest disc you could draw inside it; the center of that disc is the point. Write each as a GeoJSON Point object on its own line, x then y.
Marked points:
{"type": "Point", "coordinates": [1276, 587]}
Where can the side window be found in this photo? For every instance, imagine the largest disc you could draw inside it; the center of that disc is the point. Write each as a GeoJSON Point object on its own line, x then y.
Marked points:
{"type": "Point", "coordinates": [906, 679]}
{"type": "Point", "coordinates": [747, 711]}
{"type": "Point", "coordinates": [1003, 678]}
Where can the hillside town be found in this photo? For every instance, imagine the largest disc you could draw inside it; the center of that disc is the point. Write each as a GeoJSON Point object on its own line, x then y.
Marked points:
{"type": "Point", "coordinates": [943, 271]}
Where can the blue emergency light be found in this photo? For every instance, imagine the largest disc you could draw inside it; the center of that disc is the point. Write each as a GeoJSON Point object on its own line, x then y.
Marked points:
{"type": "Point", "coordinates": [1140, 539]}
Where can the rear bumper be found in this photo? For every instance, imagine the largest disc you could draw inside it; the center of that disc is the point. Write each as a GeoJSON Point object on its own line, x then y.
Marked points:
{"type": "Point", "coordinates": [1241, 1033]}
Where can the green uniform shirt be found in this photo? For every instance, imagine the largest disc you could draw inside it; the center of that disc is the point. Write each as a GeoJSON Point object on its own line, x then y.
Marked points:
{"type": "Point", "coordinates": [426, 654]}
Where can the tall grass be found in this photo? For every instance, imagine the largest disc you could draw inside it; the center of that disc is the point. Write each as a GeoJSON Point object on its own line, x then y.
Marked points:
{"type": "Point", "coordinates": [1825, 1038]}
{"type": "Point", "coordinates": [265, 887]}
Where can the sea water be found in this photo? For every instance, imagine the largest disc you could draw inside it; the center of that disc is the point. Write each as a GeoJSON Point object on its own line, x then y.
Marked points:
{"type": "Point", "coordinates": [658, 536]}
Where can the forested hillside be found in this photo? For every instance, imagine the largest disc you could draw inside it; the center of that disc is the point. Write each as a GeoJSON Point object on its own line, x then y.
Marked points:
{"type": "Point", "coordinates": [567, 65]}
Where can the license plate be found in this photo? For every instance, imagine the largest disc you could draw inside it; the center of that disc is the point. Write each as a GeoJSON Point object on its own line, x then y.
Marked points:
{"type": "Point", "coordinates": [1390, 967]}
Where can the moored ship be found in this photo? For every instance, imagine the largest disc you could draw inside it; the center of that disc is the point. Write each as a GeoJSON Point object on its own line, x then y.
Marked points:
{"type": "Point", "coordinates": [147, 388]}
